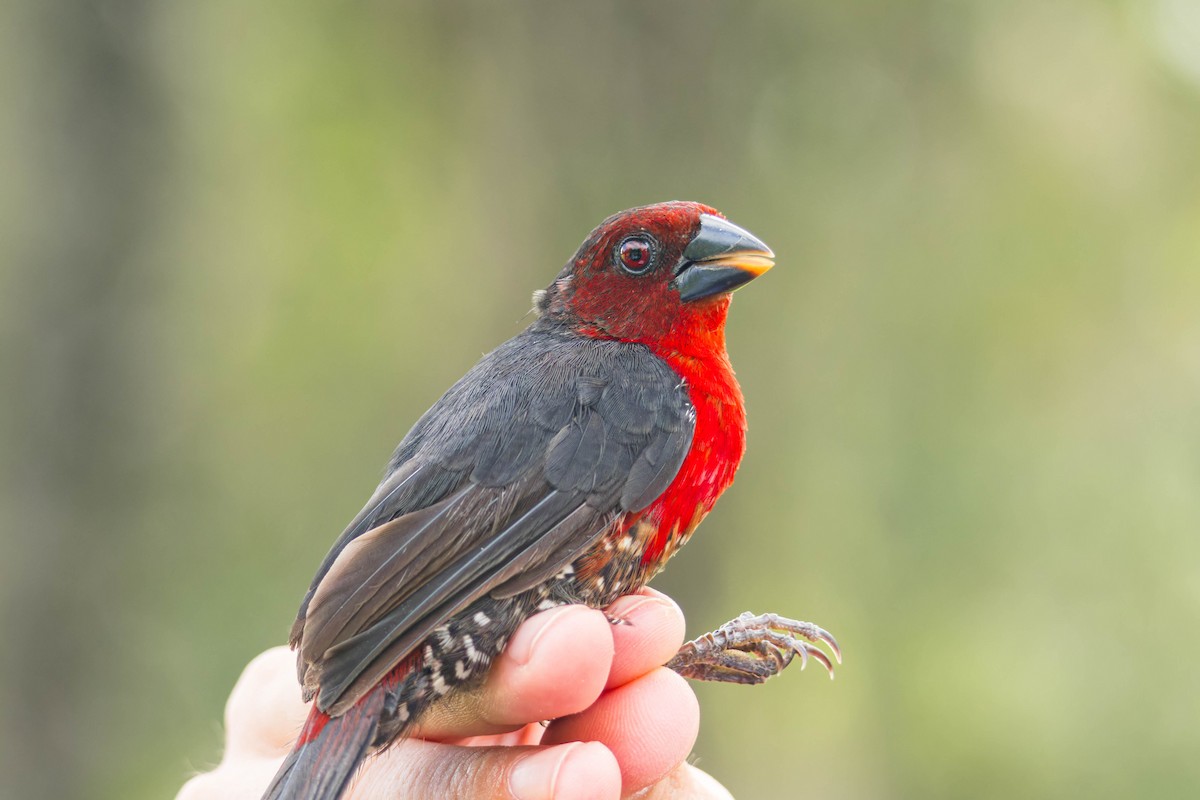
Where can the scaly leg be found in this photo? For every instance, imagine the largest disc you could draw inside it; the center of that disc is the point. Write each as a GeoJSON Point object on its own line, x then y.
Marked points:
{"type": "Point", "coordinates": [752, 648]}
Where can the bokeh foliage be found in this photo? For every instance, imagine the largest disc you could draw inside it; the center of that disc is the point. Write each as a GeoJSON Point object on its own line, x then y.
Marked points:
{"type": "Point", "coordinates": [244, 245]}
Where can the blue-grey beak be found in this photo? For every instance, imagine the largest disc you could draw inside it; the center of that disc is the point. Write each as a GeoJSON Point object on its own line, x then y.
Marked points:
{"type": "Point", "coordinates": [720, 258]}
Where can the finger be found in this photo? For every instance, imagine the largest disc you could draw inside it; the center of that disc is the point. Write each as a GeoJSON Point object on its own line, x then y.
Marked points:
{"type": "Point", "coordinates": [424, 770]}
{"type": "Point", "coordinates": [649, 724]}
{"type": "Point", "coordinates": [530, 734]}
{"type": "Point", "coordinates": [556, 664]}
{"type": "Point", "coordinates": [264, 712]}
{"type": "Point", "coordinates": [685, 782]}
{"type": "Point", "coordinates": [240, 779]}
{"type": "Point", "coordinates": [652, 634]}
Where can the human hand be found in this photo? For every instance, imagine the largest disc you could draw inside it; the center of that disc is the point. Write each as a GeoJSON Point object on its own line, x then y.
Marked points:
{"type": "Point", "coordinates": [622, 724]}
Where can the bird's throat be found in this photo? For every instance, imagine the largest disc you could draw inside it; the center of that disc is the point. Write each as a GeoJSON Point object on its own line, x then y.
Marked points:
{"type": "Point", "coordinates": [718, 443]}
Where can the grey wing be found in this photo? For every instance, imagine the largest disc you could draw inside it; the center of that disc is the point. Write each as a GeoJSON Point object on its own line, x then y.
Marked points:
{"type": "Point", "coordinates": [512, 475]}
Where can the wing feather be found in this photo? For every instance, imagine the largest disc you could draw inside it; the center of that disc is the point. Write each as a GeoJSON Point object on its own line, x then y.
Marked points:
{"type": "Point", "coordinates": [512, 475]}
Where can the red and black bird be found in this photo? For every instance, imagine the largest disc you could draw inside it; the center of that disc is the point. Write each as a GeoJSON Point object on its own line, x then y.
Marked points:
{"type": "Point", "coordinates": [567, 466]}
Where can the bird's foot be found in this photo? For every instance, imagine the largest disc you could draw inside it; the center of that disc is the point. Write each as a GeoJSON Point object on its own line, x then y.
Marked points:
{"type": "Point", "coordinates": [752, 648]}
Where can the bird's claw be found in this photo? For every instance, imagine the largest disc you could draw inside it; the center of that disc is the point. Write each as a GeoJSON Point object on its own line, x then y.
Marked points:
{"type": "Point", "coordinates": [752, 648]}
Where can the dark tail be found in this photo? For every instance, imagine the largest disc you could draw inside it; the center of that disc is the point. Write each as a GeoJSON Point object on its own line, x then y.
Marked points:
{"type": "Point", "coordinates": [328, 751]}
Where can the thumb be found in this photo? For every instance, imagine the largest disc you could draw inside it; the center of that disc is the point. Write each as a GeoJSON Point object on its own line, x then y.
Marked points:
{"type": "Point", "coordinates": [572, 771]}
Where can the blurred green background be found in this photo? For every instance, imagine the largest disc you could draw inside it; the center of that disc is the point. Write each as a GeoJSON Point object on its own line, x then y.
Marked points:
{"type": "Point", "coordinates": [244, 245]}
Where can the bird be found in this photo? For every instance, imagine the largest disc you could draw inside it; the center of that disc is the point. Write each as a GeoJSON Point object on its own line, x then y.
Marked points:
{"type": "Point", "coordinates": [567, 466]}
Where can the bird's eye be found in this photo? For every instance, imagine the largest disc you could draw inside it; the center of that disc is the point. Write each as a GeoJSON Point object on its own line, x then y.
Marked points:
{"type": "Point", "coordinates": [636, 254]}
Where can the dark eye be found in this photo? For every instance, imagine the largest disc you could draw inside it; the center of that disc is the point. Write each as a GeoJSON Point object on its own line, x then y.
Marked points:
{"type": "Point", "coordinates": [636, 254]}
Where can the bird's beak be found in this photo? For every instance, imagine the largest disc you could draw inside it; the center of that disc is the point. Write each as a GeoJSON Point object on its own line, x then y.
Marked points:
{"type": "Point", "coordinates": [719, 259]}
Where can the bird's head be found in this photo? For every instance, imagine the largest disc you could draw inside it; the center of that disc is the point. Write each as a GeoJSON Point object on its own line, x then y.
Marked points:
{"type": "Point", "coordinates": [655, 274]}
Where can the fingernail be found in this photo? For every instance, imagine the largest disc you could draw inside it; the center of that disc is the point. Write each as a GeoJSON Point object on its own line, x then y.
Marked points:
{"type": "Point", "coordinates": [533, 777]}
{"type": "Point", "coordinates": [522, 645]}
{"type": "Point", "coordinates": [629, 607]}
